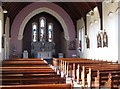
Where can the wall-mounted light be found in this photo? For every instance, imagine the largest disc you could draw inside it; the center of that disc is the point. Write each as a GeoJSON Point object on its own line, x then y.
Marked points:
{"type": "Point", "coordinates": [88, 14]}
{"type": "Point", "coordinates": [91, 23]}
{"type": "Point", "coordinates": [109, 1]}
{"type": "Point", "coordinates": [112, 1]}
{"type": "Point", "coordinates": [117, 9]}
{"type": "Point", "coordinates": [101, 32]}
{"type": "Point", "coordinates": [86, 36]}
{"type": "Point", "coordinates": [110, 13]}
{"type": "Point", "coordinates": [3, 35]}
{"type": "Point", "coordinates": [5, 11]}
{"type": "Point", "coordinates": [95, 21]}
{"type": "Point", "coordinates": [91, 12]}
{"type": "Point", "coordinates": [96, 9]}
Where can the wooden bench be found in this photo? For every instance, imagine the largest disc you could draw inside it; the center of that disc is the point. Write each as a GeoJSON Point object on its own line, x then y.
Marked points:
{"type": "Point", "coordinates": [39, 86]}
{"type": "Point", "coordinates": [100, 73]}
{"type": "Point", "coordinates": [24, 63]}
{"type": "Point", "coordinates": [22, 74]}
{"type": "Point", "coordinates": [25, 59]}
{"type": "Point", "coordinates": [66, 64]}
{"type": "Point", "coordinates": [24, 81]}
{"type": "Point", "coordinates": [10, 76]}
{"type": "Point", "coordinates": [77, 64]}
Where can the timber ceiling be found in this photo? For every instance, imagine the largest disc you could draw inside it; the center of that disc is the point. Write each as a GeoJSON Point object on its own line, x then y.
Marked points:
{"type": "Point", "coordinates": [76, 10]}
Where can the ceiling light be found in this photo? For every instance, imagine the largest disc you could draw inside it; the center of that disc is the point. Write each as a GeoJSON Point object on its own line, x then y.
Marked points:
{"type": "Point", "coordinates": [5, 11]}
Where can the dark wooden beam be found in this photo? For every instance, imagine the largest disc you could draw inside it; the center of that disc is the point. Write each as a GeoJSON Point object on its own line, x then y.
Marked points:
{"type": "Point", "coordinates": [99, 5]}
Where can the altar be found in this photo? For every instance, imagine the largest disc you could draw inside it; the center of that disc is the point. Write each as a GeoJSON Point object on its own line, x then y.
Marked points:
{"type": "Point", "coordinates": [42, 50]}
{"type": "Point", "coordinates": [45, 55]}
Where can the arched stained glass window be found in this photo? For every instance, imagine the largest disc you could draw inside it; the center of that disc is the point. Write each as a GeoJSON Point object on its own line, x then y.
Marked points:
{"type": "Point", "coordinates": [42, 23]}
{"type": "Point", "coordinates": [50, 32]}
{"type": "Point", "coordinates": [39, 34]}
{"type": "Point", "coordinates": [34, 32]}
{"type": "Point", "coordinates": [42, 31]}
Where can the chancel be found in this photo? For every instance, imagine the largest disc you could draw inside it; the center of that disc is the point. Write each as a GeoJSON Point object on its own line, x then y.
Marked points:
{"type": "Point", "coordinates": [42, 44]}
{"type": "Point", "coordinates": [60, 45]}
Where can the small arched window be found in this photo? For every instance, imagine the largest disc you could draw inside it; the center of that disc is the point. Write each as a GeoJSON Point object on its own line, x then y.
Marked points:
{"type": "Point", "coordinates": [34, 32]}
{"type": "Point", "coordinates": [50, 32]}
{"type": "Point", "coordinates": [42, 31]}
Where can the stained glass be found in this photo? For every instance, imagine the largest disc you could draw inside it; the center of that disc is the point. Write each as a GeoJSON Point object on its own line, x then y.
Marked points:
{"type": "Point", "coordinates": [50, 31]}
{"type": "Point", "coordinates": [34, 32]}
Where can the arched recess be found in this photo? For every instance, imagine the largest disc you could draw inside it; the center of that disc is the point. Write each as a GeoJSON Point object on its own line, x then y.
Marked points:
{"type": "Point", "coordinates": [31, 10]}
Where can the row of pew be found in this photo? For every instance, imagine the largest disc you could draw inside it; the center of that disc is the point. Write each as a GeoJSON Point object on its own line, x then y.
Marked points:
{"type": "Point", "coordinates": [30, 73]}
{"type": "Point", "coordinates": [90, 73]}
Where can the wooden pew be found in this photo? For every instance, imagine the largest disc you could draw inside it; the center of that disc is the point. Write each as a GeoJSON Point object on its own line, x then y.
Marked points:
{"type": "Point", "coordinates": [101, 72]}
{"type": "Point", "coordinates": [24, 63]}
{"type": "Point", "coordinates": [25, 59]}
{"type": "Point", "coordinates": [39, 86]}
{"type": "Point", "coordinates": [67, 63]}
{"type": "Point", "coordinates": [10, 76]}
{"type": "Point", "coordinates": [25, 81]}
{"type": "Point", "coordinates": [26, 67]}
{"type": "Point", "coordinates": [20, 73]}
{"type": "Point", "coordinates": [70, 62]}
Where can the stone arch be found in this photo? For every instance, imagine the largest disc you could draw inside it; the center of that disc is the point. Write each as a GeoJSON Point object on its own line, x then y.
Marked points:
{"type": "Point", "coordinates": [26, 13]}
{"type": "Point", "coordinates": [40, 10]}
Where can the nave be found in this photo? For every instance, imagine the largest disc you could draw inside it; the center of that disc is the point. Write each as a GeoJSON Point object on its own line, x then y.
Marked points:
{"type": "Point", "coordinates": [32, 73]}
{"type": "Point", "coordinates": [83, 37]}
{"type": "Point", "coordinates": [36, 73]}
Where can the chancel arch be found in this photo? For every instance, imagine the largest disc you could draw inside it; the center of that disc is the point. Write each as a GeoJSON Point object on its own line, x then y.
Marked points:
{"type": "Point", "coordinates": [50, 29]}
{"type": "Point", "coordinates": [50, 8]}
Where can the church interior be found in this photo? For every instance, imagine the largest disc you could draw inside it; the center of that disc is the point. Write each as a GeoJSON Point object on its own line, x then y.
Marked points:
{"type": "Point", "coordinates": [59, 45]}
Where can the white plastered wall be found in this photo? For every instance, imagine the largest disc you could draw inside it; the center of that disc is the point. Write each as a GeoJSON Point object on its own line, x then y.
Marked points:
{"type": "Point", "coordinates": [118, 33]}
{"type": "Point", "coordinates": [109, 53]}
{"type": "Point", "coordinates": [110, 23]}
